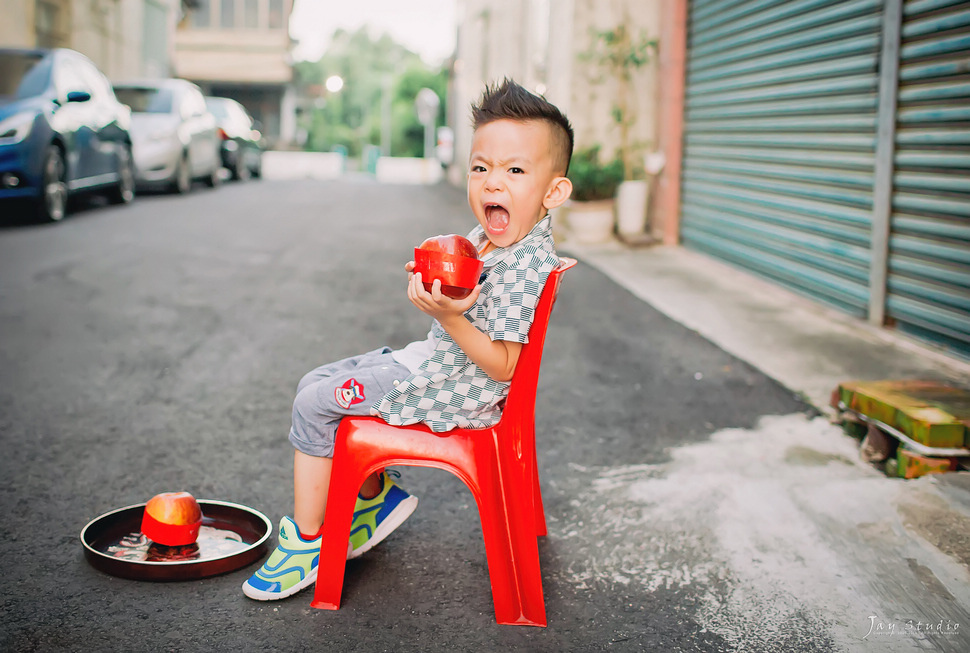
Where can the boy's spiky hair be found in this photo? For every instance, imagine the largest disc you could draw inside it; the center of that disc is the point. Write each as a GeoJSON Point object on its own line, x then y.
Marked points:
{"type": "Point", "coordinates": [510, 101]}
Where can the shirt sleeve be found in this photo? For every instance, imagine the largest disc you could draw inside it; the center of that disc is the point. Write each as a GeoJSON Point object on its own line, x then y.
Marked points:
{"type": "Point", "coordinates": [511, 306]}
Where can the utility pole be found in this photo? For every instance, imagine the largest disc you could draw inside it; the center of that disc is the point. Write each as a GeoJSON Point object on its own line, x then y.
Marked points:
{"type": "Point", "coordinates": [426, 104]}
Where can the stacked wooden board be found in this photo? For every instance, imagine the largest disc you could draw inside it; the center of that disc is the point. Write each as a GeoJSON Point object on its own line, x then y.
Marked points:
{"type": "Point", "coordinates": [927, 423]}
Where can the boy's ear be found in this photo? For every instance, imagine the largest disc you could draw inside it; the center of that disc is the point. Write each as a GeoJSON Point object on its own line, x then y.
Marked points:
{"type": "Point", "coordinates": [559, 191]}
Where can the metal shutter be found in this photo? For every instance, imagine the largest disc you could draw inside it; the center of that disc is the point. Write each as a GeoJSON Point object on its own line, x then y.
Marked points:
{"type": "Point", "coordinates": [780, 122]}
{"type": "Point", "coordinates": [928, 285]}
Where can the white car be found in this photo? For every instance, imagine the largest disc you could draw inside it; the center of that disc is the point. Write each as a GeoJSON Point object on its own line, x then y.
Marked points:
{"type": "Point", "coordinates": [174, 135]}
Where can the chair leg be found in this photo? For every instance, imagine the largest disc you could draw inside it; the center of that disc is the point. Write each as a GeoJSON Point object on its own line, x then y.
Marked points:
{"type": "Point", "coordinates": [513, 560]}
{"type": "Point", "coordinates": [333, 548]}
{"type": "Point", "coordinates": [537, 500]}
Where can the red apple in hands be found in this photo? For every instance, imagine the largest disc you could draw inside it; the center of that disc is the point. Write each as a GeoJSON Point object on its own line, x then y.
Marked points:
{"type": "Point", "coordinates": [450, 244]}
{"type": "Point", "coordinates": [172, 519]}
{"type": "Point", "coordinates": [453, 259]}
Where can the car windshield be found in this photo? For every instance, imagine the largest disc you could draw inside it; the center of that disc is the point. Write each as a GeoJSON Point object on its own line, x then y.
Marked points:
{"type": "Point", "coordinates": [145, 99]}
{"type": "Point", "coordinates": [219, 109]}
{"type": "Point", "coordinates": [24, 74]}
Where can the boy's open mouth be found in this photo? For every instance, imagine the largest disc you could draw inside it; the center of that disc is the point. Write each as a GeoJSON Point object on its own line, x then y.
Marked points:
{"type": "Point", "coordinates": [497, 218]}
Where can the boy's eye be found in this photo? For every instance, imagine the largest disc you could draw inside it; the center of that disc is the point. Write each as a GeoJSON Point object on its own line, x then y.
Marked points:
{"type": "Point", "coordinates": [516, 171]}
{"type": "Point", "coordinates": [478, 168]}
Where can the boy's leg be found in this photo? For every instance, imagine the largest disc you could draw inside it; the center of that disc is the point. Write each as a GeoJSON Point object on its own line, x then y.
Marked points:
{"type": "Point", "coordinates": [328, 370]}
{"type": "Point", "coordinates": [311, 482]}
{"type": "Point", "coordinates": [322, 401]}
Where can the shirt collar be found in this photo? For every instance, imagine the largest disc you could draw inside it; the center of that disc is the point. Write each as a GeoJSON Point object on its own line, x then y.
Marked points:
{"type": "Point", "coordinates": [540, 232]}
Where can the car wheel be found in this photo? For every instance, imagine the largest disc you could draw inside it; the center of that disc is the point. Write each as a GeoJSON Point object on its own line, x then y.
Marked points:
{"type": "Point", "coordinates": [214, 178]}
{"type": "Point", "coordinates": [183, 176]}
{"type": "Point", "coordinates": [240, 171]}
{"type": "Point", "coordinates": [257, 170]}
{"type": "Point", "coordinates": [124, 191]}
{"type": "Point", "coordinates": [52, 203]}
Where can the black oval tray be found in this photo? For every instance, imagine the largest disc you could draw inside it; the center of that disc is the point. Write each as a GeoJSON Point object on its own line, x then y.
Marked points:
{"type": "Point", "coordinates": [250, 525]}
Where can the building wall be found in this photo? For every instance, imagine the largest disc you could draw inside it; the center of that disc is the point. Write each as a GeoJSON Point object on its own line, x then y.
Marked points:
{"type": "Point", "coordinates": [124, 38]}
{"type": "Point", "coordinates": [17, 27]}
{"type": "Point", "coordinates": [594, 89]}
{"type": "Point", "coordinates": [110, 34]}
{"type": "Point", "coordinates": [228, 56]}
{"type": "Point", "coordinates": [241, 49]}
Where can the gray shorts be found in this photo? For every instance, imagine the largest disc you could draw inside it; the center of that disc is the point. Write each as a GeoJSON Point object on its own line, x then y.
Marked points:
{"type": "Point", "coordinates": [330, 392]}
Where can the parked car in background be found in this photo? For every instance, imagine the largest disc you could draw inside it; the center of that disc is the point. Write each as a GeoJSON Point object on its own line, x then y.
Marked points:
{"type": "Point", "coordinates": [174, 134]}
{"type": "Point", "coordinates": [242, 150]}
{"type": "Point", "coordinates": [62, 132]}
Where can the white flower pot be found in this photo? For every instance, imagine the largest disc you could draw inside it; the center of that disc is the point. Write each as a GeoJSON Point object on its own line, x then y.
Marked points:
{"type": "Point", "coordinates": [631, 207]}
{"type": "Point", "coordinates": [591, 222]}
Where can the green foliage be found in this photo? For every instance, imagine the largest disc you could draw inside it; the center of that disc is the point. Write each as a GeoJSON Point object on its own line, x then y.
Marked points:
{"type": "Point", "coordinates": [618, 49]}
{"type": "Point", "coordinates": [592, 179]}
{"type": "Point", "coordinates": [618, 53]}
{"type": "Point", "coordinates": [370, 68]}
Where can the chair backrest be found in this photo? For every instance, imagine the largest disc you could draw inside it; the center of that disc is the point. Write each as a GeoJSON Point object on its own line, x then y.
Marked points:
{"type": "Point", "coordinates": [522, 390]}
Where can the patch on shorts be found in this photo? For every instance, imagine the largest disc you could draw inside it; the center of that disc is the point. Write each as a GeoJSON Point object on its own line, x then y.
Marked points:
{"type": "Point", "coordinates": [349, 393]}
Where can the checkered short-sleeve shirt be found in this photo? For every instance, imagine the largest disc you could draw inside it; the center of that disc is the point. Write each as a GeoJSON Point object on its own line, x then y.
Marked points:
{"type": "Point", "coordinates": [449, 390]}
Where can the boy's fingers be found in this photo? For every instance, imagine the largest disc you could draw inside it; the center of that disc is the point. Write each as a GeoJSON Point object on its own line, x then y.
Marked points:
{"type": "Point", "coordinates": [414, 282]}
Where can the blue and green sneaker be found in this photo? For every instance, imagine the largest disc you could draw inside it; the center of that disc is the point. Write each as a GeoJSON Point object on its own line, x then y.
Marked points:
{"type": "Point", "coordinates": [293, 564]}
{"type": "Point", "coordinates": [375, 519]}
{"type": "Point", "coordinates": [290, 568]}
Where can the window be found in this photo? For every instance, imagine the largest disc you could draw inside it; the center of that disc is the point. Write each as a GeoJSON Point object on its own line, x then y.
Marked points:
{"type": "Point", "coordinates": [201, 15]}
{"type": "Point", "coordinates": [251, 14]}
{"type": "Point", "coordinates": [49, 19]}
{"type": "Point", "coordinates": [146, 99]}
{"type": "Point", "coordinates": [227, 14]}
{"type": "Point", "coordinates": [24, 74]}
{"type": "Point", "coordinates": [275, 14]}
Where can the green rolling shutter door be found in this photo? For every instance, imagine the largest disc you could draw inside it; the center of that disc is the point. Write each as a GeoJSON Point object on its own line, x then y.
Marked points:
{"type": "Point", "coordinates": [780, 138]}
{"type": "Point", "coordinates": [928, 286]}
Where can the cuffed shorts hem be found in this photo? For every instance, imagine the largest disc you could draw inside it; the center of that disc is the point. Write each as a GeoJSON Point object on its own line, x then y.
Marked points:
{"type": "Point", "coordinates": [320, 449]}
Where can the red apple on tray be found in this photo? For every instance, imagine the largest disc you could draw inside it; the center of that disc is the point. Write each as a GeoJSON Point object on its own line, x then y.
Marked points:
{"type": "Point", "coordinates": [453, 259]}
{"type": "Point", "coordinates": [172, 519]}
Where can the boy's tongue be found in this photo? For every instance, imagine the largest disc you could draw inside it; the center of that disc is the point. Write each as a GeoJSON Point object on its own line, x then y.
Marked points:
{"type": "Point", "coordinates": [497, 218]}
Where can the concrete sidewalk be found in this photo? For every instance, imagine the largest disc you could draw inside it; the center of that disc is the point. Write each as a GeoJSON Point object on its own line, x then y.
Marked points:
{"type": "Point", "coordinates": [803, 345]}
{"type": "Point", "coordinates": [796, 506]}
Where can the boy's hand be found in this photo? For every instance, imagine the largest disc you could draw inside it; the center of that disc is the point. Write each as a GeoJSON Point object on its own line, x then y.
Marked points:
{"type": "Point", "coordinates": [496, 358]}
{"type": "Point", "coordinates": [434, 303]}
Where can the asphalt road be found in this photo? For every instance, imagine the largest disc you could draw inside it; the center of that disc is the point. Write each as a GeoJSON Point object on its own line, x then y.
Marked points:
{"type": "Point", "coordinates": [157, 347]}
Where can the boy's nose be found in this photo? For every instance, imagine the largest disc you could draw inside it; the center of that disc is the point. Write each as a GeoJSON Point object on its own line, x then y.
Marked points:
{"type": "Point", "coordinates": [493, 181]}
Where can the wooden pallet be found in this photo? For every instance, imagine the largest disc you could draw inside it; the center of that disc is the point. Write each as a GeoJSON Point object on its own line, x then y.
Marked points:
{"type": "Point", "coordinates": [914, 427]}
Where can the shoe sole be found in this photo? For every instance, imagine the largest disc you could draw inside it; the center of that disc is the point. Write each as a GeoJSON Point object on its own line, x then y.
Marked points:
{"type": "Point", "coordinates": [261, 595]}
{"type": "Point", "coordinates": [390, 523]}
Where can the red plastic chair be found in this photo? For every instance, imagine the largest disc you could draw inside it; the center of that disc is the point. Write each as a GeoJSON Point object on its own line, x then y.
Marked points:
{"type": "Point", "coordinates": [497, 464]}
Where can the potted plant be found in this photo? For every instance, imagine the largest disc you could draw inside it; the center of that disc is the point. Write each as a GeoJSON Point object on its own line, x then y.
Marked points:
{"type": "Point", "coordinates": [590, 209]}
{"type": "Point", "coordinates": [618, 54]}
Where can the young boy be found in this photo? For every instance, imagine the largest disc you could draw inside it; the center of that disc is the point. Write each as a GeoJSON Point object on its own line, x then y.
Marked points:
{"type": "Point", "coordinates": [457, 376]}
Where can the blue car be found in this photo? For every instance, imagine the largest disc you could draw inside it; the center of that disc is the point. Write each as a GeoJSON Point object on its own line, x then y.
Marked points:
{"type": "Point", "coordinates": [62, 131]}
